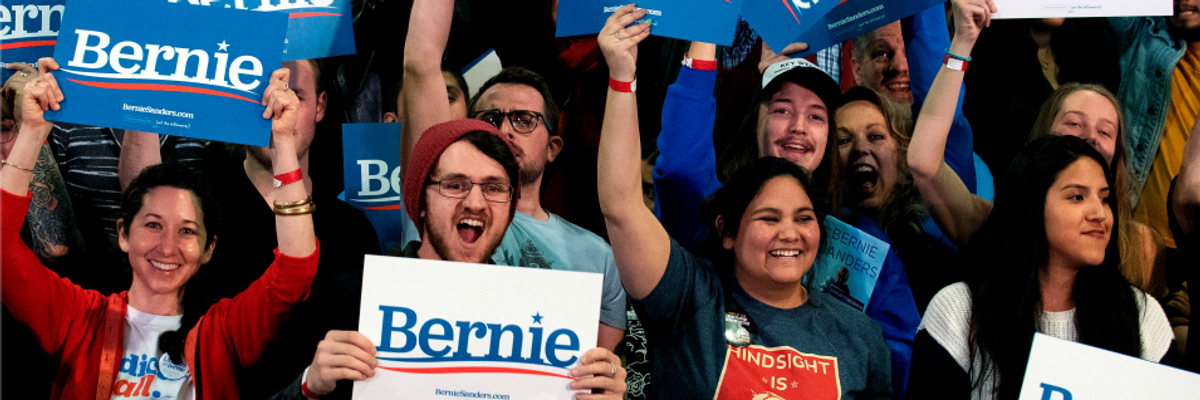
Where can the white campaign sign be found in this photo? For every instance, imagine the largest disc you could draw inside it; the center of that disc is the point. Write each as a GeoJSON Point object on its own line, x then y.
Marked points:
{"type": "Point", "coordinates": [1064, 370]}
{"type": "Point", "coordinates": [1081, 8]}
{"type": "Point", "coordinates": [446, 330]}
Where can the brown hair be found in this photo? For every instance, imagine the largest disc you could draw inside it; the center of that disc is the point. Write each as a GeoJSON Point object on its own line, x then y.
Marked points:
{"type": "Point", "coordinates": [902, 207]}
{"type": "Point", "coordinates": [1132, 258]}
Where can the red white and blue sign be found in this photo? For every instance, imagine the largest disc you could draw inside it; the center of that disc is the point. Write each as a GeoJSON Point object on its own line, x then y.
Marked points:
{"type": "Point", "coordinates": [316, 28]}
{"type": "Point", "coordinates": [28, 31]}
{"type": "Point", "coordinates": [169, 69]}
{"type": "Point", "coordinates": [709, 21]}
{"type": "Point", "coordinates": [851, 19]}
{"type": "Point", "coordinates": [473, 330]}
{"type": "Point", "coordinates": [371, 170]}
{"type": "Point", "coordinates": [782, 22]}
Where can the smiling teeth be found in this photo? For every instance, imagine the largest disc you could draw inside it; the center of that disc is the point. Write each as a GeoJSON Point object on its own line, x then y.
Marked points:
{"type": "Point", "coordinates": [785, 253]}
{"type": "Point", "coordinates": [164, 267]}
{"type": "Point", "coordinates": [472, 222]}
{"type": "Point", "coordinates": [795, 147]}
{"type": "Point", "coordinates": [898, 86]}
{"type": "Point", "coordinates": [864, 168]}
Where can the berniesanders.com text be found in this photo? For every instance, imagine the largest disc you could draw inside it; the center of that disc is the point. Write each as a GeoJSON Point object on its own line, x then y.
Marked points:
{"type": "Point", "coordinates": [471, 395]}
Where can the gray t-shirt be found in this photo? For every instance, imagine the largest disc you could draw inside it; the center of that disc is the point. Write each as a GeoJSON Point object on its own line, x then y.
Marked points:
{"type": "Point", "coordinates": [814, 351]}
{"type": "Point", "coordinates": [561, 245]}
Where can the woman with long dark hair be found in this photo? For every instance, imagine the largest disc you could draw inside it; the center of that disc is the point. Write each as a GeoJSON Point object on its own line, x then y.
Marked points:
{"type": "Point", "coordinates": [718, 329]}
{"type": "Point", "coordinates": [160, 338]}
{"type": "Point", "coordinates": [1048, 262]}
{"type": "Point", "coordinates": [1086, 111]}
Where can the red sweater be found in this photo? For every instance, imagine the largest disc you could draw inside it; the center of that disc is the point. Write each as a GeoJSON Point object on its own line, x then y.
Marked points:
{"type": "Point", "coordinates": [69, 322]}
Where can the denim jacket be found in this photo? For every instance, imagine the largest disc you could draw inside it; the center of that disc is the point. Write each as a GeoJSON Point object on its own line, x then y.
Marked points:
{"type": "Point", "coordinates": [1148, 57]}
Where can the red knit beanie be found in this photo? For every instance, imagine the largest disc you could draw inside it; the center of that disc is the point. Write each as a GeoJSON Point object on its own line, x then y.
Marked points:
{"type": "Point", "coordinates": [429, 148]}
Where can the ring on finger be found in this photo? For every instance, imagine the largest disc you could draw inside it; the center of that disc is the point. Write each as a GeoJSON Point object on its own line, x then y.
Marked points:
{"type": "Point", "coordinates": [612, 369]}
{"type": "Point", "coordinates": [24, 74]}
{"type": "Point", "coordinates": [618, 35]}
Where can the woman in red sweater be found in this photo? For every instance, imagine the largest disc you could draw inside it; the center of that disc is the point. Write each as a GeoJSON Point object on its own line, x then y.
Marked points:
{"type": "Point", "coordinates": [151, 341]}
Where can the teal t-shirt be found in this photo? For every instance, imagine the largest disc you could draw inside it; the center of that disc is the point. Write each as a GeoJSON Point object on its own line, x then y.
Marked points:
{"type": "Point", "coordinates": [561, 245]}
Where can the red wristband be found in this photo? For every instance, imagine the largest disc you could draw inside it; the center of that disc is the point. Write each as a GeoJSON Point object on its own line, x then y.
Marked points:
{"type": "Point", "coordinates": [308, 392]}
{"type": "Point", "coordinates": [955, 63]}
{"type": "Point", "coordinates": [699, 65]}
{"type": "Point", "coordinates": [288, 178]}
{"type": "Point", "coordinates": [624, 87]}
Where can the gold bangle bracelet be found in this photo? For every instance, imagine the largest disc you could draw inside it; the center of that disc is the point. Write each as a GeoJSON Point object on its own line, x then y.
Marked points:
{"type": "Point", "coordinates": [308, 209]}
{"type": "Point", "coordinates": [294, 204]}
{"type": "Point", "coordinates": [5, 162]}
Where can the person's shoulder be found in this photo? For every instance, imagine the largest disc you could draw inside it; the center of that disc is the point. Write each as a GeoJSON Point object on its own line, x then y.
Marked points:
{"type": "Point", "coordinates": [848, 318]}
{"type": "Point", "coordinates": [1156, 331]}
{"type": "Point", "coordinates": [578, 233]}
{"type": "Point", "coordinates": [953, 301]}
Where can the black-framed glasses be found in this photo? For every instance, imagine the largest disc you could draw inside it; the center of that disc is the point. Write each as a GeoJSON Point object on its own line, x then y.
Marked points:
{"type": "Point", "coordinates": [459, 188]}
{"type": "Point", "coordinates": [523, 121]}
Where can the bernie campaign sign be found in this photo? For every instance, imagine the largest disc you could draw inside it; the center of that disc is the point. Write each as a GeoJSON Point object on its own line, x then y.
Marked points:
{"type": "Point", "coordinates": [473, 330]}
{"type": "Point", "coordinates": [315, 28]}
{"type": "Point", "coordinates": [28, 30]}
{"type": "Point", "coordinates": [1065, 370]}
{"type": "Point", "coordinates": [780, 23]}
{"type": "Point", "coordinates": [709, 21]}
{"type": "Point", "coordinates": [848, 263]}
{"type": "Point", "coordinates": [371, 169]}
{"type": "Point", "coordinates": [851, 19]}
{"type": "Point", "coordinates": [169, 69]}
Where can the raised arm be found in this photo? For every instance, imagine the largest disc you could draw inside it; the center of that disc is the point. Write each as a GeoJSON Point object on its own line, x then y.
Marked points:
{"type": "Point", "coordinates": [424, 88]}
{"type": "Point", "coordinates": [295, 232]}
{"type": "Point", "coordinates": [958, 212]}
{"type": "Point", "coordinates": [640, 244]}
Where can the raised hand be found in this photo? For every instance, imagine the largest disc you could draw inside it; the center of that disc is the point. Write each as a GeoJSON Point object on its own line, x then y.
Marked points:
{"type": "Point", "coordinates": [12, 90]}
{"type": "Point", "coordinates": [770, 57]}
{"type": "Point", "coordinates": [619, 42]}
{"type": "Point", "coordinates": [39, 94]}
{"type": "Point", "coordinates": [282, 104]}
{"type": "Point", "coordinates": [970, 17]}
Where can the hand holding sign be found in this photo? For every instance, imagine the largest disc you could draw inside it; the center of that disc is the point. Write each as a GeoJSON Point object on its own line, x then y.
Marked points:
{"type": "Point", "coordinates": [14, 88]}
{"type": "Point", "coordinates": [607, 376]}
{"type": "Point", "coordinates": [39, 95]}
{"type": "Point", "coordinates": [769, 57]}
{"type": "Point", "coordinates": [282, 105]}
{"type": "Point", "coordinates": [970, 17]}
{"type": "Point", "coordinates": [619, 42]}
{"type": "Point", "coordinates": [342, 355]}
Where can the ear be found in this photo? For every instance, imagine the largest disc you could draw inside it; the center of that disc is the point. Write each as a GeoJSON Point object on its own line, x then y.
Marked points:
{"type": "Point", "coordinates": [206, 256]}
{"type": "Point", "coordinates": [726, 241]}
{"type": "Point", "coordinates": [855, 66]}
{"type": "Point", "coordinates": [321, 102]}
{"type": "Point", "coordinates": [122, 237]}
{"type": "Point", "coordinates": [555, 146]}
{"type": "Point", "coordinates": [390, 117]}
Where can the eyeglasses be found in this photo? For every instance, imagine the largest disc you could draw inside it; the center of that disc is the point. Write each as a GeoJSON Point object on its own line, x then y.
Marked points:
{"type": "Point", "coordinates": [523, 121]}
{"type": "Point", "coordinates": [459, 188]}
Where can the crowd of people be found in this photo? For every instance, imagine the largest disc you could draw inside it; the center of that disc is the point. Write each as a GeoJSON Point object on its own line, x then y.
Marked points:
{"type": "Point", "coordinates": [1053, 188]}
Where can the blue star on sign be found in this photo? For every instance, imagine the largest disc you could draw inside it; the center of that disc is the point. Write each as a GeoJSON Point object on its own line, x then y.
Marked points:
{"type": "Point", "coordinates": [537, 318]}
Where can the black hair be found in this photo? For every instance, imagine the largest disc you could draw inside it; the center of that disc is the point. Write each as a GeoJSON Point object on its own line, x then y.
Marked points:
{"type": "Point", "coordinates": [391, 104]}
{"type": "Point", "coordinates": [195, 302]}
{"type": "Point", "coordinates": [1010, 250]}
{"type": "Point", "coordinates": [522, 76]}
{"type": "Point", "coordinates": [731, 200]}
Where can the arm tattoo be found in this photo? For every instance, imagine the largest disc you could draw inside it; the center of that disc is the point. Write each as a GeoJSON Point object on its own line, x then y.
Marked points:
{"type": "Point", "coordinates": [51, 218]}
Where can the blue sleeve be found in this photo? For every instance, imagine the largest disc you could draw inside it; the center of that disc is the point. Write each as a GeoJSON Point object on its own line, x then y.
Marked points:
{"type": "Point", "coordinates": [926, 40]}
{"type": "Point", "coordinates": [686, 171]}
{"type": "Point", "coordinates": [892, 305]}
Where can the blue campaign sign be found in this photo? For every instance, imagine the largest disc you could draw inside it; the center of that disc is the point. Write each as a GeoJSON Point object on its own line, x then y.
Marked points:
{"type": "Point", "coordinates": [848, 263]}
{"type": "Point", "coordinates": [781, 22]}
{"type": "Point", "coordinates": [170, 69]}
{"type": "Point", "coordinates": [856, 17]}
{"type": "Point", "coordinates": [316, 28]}
{"type": "Point", "coordinates": [371, 169]}
{"type": "Point", "coordinates": [709, 21]}
{"type": "Point", "coordinates": [28, 30]}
